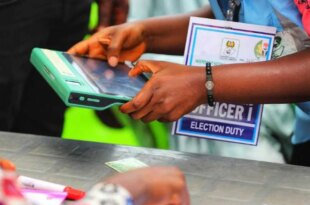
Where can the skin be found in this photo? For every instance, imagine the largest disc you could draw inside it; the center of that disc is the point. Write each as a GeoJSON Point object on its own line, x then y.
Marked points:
{"type": "Point", "coordinates": [283, 80]}
{"type": "Point", "coordinates": [175, 90]}
{"type": "Point", "coordinates": [129, 41]}
{"type": "Point", "coordinates": [167, 186]}
{"type": "Point", "coordinates": [161, 100]}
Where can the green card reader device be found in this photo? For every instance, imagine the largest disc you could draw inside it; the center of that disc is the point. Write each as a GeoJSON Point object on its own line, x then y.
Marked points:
{"type": "Point", "coordinates": [85, 82]}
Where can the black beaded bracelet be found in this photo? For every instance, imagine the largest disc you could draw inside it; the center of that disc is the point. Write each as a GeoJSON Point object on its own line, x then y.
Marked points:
{"type": "Point", "coordinates": [209, 84]}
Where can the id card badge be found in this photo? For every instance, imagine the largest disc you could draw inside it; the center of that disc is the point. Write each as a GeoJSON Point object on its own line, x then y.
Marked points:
{"type": "Point", "coordinates": [224, 42]}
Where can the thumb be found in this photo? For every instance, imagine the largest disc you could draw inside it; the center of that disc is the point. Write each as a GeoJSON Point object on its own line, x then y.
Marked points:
{"type": "Point", "coordinates": [144, 66]}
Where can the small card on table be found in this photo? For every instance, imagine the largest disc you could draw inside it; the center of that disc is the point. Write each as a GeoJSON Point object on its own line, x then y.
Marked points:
{"type": "Point", "coordinates": [125, 165]}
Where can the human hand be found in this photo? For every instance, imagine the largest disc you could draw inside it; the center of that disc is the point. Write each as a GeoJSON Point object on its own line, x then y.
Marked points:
{"type": "Point", "coordinates": [154, 185]}
{"type": "Point", "coordinates": [116, 44]}
{"type": "Point", "coordinates": [172, 91]}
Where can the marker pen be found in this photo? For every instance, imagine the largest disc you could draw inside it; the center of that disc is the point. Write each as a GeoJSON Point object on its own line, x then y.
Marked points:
{"type": "Point", "coordinates": [30, 183]}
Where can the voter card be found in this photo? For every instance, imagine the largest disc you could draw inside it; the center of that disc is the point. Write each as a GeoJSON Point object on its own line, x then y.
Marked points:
{"type": "Point", "coordinates": [125, 165]}
{"type": "Point", "coordinates": [225, 42]}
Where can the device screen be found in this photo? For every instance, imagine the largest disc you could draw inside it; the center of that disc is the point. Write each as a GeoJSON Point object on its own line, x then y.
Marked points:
{"type": "Point", "coordinates": [109, 80]}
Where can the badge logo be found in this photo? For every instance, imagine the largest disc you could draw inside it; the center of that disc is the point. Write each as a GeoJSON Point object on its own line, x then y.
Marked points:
{"type": "Point", "coordinates": [261, 49]}
{"type": "Point", "coordinates": [230, 48]}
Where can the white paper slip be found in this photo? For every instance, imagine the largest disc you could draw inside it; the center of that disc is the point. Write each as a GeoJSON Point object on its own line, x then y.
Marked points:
{"type": "Point", "coordinates": [125, 165]}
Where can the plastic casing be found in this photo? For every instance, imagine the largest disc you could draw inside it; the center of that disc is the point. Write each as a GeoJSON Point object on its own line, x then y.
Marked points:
{"type": "Point", "coordinates": [72, 95]}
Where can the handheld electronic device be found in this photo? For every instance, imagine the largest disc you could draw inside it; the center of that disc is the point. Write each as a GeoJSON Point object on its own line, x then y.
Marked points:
{"type": "Point", "coordinates": [86, 82]}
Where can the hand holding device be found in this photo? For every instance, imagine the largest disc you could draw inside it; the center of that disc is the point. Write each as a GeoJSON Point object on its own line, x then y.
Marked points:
{"type": "Point", "coordinates": [173, 91]}
{"type": "Point", "coordinates": [126, 42]}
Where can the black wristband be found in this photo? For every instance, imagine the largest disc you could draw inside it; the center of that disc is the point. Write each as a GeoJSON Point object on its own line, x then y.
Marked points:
{"type": "Point", "coordinates": [209, 84]}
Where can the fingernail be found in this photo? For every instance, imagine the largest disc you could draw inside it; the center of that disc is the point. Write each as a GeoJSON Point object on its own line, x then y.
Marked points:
{"type": "Point", "coordinates": [113, 61]}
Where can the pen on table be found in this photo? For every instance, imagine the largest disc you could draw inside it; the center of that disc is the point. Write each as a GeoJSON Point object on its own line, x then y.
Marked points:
{"type": "Point", "coordinates": [31, 183]}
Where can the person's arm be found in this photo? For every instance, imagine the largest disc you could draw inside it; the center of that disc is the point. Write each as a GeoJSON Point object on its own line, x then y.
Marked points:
{"type": "Point", "coordinates": [174, 90]}
{"type": "Point", "coordinates": [283, 80]}
{"type": "Point", "coordinates": [151, 185]}
{"type": "Point", "coordinates": [167, 34]}
{"type": "Point", "coordinates": [129, 41]}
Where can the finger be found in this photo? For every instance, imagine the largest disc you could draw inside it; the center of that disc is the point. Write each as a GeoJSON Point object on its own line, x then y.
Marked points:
{"type": "Point", "coordinates": [141, 99]}
{"type": "Point", "coordinates": [144, 66]}
{"type": "Point", "coordinates": [105, 40]}
{"type": "Point", "coordinates": [133, 54]}
{"type": "Point", "coordinates": [147, 109]}
{"type": "Point", "coordinates": [155, 105]}
{"type": "Point", "coordinates": [139, 68]}
{"type": "Point", "coordinates": [153, 115]}
{"type": "Point", "coordinates": [114, 48]}
{"type": "Point", "coordinates": [80, 48]}
{"type": "Point", "coordinates": [142, 113]}
{"type": "Point", "coordinates": [125, 55]}
{"type": "Point", "coordinates": [136, 104]}
{"type": "Point", "coordinates": [96, 51]}
{"type": "Point", "coordinates": [113, 60]}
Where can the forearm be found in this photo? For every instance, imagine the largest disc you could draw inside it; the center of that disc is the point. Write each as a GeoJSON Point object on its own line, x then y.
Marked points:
{"type": "Point", "coordinates": [138, 193]}
{"type": "Point", "coordinates": [279, 81]}
{"type": "Point", "coordinates": [167, 35]}
{"type": "Point", "coordinates": [167, 187]}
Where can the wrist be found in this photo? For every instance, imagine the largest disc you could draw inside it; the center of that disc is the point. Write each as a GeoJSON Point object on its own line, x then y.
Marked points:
{"type": "Point", "coordinates": [103, 193]}
{"type": "Point", "coordinates": [199, 80]}
{"type": "Point", "coordinates": [147, 36]}
{"type": "Point", "coordinates": [152, 34]}
{"type": "Point", "coordinates": [138, 193]}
